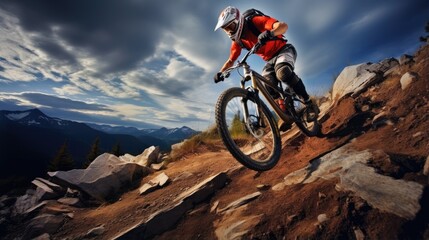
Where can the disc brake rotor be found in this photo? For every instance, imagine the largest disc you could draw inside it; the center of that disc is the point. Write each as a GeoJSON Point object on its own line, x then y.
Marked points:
{"type": "Point", "coordinates": [252, 124]}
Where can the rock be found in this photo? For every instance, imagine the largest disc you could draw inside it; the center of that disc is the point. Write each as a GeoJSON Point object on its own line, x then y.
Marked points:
{"type": "Point", "coordinates": [263, 187]}
{"type": "Point", "coordinates": [44, 236]}
{"type": "Point", "coordinates": [43, 191]}
{"type": "Point", "coordinates": [104, 177]}
{"type": "Point", "coordinates": [379, 119]}
{"type": "Point", "coordinates": [149, 156]}
{"type": "Point", "coordinates": [417, 134]}
{"type": "Point", "coordinates": [279, 186]}
{"type": "Point", "coordinates": [157, 166]}
{"type": "Point", "coordinates": [33, 210]}
{"type": "Point", "coordinates": [405, 59]}
{"type": "Point", "coordinates": [163, 158]}
{"type": "Point", "coordinates": [407, 79]}
{"type": "Point", "coordinates": [351, 79]}
{"type": "Point", "coordinates": [71, 193]}
{"type": "Point", "coordinates": [74, 202]}
{"type": "Point", "coordinates": [393, 71]}
{"type": "Point", "coordinates": [56, 210]}
{"type": "Point", "coordinates": [214, 207]}
{"type": "Point", "coordinates": [321, 218]}
{"type": "Point", "coordinates": [329, 166]}
{"type": "Point", "coordinates": [97, 231]}
{"type": "Point", "coordinates": [127, 157]}
{"type": "Point", "coordinates": [390, 195]}
{"type": "Point", "coordinates": [158, 181]}
{"type": "Point", "coordinates": [57, 188]}
{"type": "Point", "coordinates": [399, 197]}
{"type": "Point", "coordinates": [23, 203]}
{"type": "Point", "coordinates": [6, 201]}
{"type": "Point", "coordinates": [183, 175]}
{"type": "Point", "coordinates": [235, 226]}
{"type": "Point", "coordinates": [45, 223]}
{"type": "Point", "coordinates": [426, 167]}
{"type": "Point", "coordinates": [239, 202]}
{"type": "Point", "coordinates": [167, 217]}
{"type": "Point", "coordinates": [322, 195]}
{"type": "Point", "coordinates": [383, 66]}
{"type": "Point", "coordinates": [357, 78]}
{"type": "Point", "coordinates": [359, 234]}
{"type": "Point", "coordinates": [199, 192]}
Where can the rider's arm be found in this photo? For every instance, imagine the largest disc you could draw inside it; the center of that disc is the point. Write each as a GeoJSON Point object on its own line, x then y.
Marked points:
{"type": "Point", "coordinates": [271, 24]}
{"type": "Point", "coordinates": [235, 52]}
{"type": "Point", "coordinates": [227, 65]}
{"type": "Point", "coordinates": [279, 28]}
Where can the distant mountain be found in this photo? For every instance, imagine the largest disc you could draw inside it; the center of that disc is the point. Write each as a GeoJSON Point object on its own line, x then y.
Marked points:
{"type": "Point", "coordinates": [171, 134]}
{"type": "Point", "coordinates": [30, 139]}
{"type": "Point", "coordinates": [165, 135]}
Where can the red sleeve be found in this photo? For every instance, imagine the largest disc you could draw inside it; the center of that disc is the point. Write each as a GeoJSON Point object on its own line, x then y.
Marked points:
{"type": "Point", "coordinates": [264, 22]}
{"type": "Point", "coordinates": [235, 51]}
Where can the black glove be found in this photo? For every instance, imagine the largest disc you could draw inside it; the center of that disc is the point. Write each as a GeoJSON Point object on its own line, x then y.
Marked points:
{"type": "Point", "coordinates": [218, 77]}
{"type": "Point", "coordinates": [265, 36]}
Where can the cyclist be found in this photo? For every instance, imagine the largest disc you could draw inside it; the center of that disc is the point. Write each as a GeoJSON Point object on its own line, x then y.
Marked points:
{"type": "Point", "coordinates": [279, 55]}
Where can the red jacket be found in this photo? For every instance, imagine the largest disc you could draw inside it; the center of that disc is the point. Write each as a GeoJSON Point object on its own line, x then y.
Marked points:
{"type": "Point", "coordinates": [266, 52]}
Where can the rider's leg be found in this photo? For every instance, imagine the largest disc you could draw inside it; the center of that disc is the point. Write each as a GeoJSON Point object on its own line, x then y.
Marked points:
{"type": "Point", "coordinates": [284, 66]}
{"type": "Point", "coordinates": [285, 73]}
{"type": "Point", "coordinates": [269, 73]}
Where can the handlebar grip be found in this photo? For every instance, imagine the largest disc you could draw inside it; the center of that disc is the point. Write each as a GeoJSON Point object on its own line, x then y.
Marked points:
{"type": "Point", "coordinates": [219, 80]}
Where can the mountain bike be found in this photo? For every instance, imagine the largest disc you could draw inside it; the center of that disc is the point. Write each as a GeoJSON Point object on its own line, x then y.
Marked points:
{"type": "Point", "coordinates": [246, 125]}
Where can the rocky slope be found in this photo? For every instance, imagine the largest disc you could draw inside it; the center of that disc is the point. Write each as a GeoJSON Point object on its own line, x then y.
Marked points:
{"type": "Point", "coordinates": [367, 178]}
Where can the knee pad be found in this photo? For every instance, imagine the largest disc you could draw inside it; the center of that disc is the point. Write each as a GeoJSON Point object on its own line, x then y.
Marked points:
{"type": "Point", "coordinates": [285, 73]}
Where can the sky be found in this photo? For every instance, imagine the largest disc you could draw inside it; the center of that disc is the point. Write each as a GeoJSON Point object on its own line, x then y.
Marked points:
{"type": "Point", "coordinates": [150, 64]}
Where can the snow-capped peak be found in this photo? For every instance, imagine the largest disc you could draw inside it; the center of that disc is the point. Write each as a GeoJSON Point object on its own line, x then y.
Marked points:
{"type": "Point", "coordinates": [17, 116]}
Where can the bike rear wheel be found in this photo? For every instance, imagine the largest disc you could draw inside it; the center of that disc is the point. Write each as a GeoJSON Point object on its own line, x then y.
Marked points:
{"type": "Point", "coordinates": [255, 142]}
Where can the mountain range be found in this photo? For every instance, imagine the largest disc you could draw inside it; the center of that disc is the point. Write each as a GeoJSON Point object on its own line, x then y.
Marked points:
{"type": "Point", "coordinates": [29, 140]}
{"type": "Point", "coordinates": [170, 136]}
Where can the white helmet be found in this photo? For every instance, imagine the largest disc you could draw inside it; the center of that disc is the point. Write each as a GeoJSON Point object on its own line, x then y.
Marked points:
{"type": "Point", "coordinates": [227, 16]}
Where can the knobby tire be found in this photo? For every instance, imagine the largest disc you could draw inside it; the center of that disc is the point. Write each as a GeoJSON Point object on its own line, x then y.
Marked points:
{"type": "Point", "coordinates": [232, 145]}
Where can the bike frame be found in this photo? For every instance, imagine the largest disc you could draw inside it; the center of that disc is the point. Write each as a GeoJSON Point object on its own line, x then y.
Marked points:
{"type": "Point", "coordinates": [259, 84]}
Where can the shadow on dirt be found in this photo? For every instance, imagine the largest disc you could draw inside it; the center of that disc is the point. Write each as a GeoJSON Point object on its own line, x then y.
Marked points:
{"type": "Point", "coordinates": [355, 126]}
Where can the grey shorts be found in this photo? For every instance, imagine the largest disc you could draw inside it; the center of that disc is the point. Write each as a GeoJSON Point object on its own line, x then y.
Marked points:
{"type": "Point", "coordinates": [286, 55]}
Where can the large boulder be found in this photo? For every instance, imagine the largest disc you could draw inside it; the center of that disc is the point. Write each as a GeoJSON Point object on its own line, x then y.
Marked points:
{"type": "Point", "coordinates": [104, 178]}
{"type": "Point", "coordinates": [396, 196]}
{"type": "Point", "coordinates": [356, 78]}
{"type": "Point", "coordinates": [350, 79]}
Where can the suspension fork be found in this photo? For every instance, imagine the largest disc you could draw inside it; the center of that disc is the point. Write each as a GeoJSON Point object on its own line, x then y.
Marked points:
{"type": "Point", "coordinates": [254, 93]}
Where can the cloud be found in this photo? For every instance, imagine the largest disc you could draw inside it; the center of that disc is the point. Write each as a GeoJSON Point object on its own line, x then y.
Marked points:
{"type": "Point", "coordinates": [151, 53]}
{"type": "Point", "coordinates": [51, 101]}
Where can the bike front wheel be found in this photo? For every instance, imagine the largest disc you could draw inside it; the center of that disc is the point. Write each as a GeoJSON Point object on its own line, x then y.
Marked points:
{"type": "Point", "coordinates": [253, 140]}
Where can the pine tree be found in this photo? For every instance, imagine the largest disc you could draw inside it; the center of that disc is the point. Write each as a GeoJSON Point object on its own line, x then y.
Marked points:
{"type": "Point", "coordinates": [237, 127]}
{"type": "Point", "coordinates": [425, 39]}
{"type": "Point", "coordinates": [116, 150]}
{"type": "Point", "coordinates": [63, 161]}
{"type": "Point", "coordinates": [93, 153]}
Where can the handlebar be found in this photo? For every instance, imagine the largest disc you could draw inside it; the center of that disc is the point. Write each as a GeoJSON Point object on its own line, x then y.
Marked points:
{"type": "Point", "coordinates": [227, 72]}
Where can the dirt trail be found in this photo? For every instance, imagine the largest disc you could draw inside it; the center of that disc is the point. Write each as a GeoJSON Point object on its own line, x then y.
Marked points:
{"type": "Point", "coordinates": [293, 212]}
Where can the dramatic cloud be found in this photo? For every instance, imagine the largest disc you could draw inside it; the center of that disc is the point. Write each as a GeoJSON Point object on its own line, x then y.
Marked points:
{"type": "Point", "coordinates": [153, 61]}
